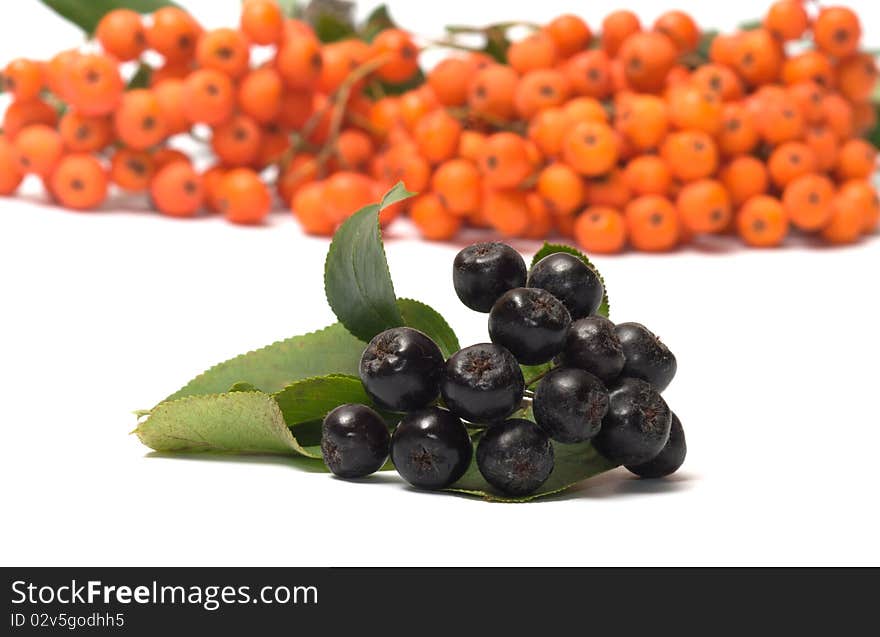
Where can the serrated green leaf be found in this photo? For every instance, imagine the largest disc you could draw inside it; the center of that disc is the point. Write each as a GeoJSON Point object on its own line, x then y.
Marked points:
{"type": "Point", "coordinates": [240, 422]}
{"type": "Point", "coordinates": [427, 320]}
{"type": "Point", "coordinates": [552, 248]}
{"type": "Point", "coordinates": [533, 373]}
{"type": "Point", "coordinates": [311, 399]}
{"type": "Point", "coordinates": [331, 28]}
{"type": "Point", "coordinates": [141, 78]}
{"type": "Point", "coordinates": [241, 386]}
{"type": "Point", "coordinates": [572, 464]}
{"type": "Point", "coordinates": [87, 13]}
{"type": "Point", "coordinates": [328, 351]}
{"type": "Point", "coordinates": [397, 194]}
{"type": "Point", "coordinates": [356, 276]}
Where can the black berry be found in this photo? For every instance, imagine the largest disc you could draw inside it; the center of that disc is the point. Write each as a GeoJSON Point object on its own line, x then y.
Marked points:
{"type": "Point", "coordinates": [646, 356]}
{"type": "Point", "coordinates": [592, 345]}
{"type": "Point", "coordinates": [401, 369]}
{"type": "Point", "coordinates": [670, 458]}
{"type": "Point", "coordinates": [571, 281]}
{"type": "Point", "coordinates": [431, 448]}
{"type": "Point", "coordinates": [483, 383]}
{"type": "Point", "coordinates": [637, 424]}
{"type": "Point", "coordinates": [570, 404]}
{"type": "Point", "coordinates": [531, 323]}
{"type": "Point", "coordinates": [515, 457]}
{"type": "Point", "coordinates": [484, 271]}
{"type": "Point", "coordinates": [354, 441]}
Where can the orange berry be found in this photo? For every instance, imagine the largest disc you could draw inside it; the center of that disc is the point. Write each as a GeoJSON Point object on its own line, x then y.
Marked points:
{"type": "Point", "coordinates": [79, 181]}
{"type": "Point", "coordinates": [536, 51]}
{"type": "Point", "coordinates": [138, 121]}
{"type": "Point", "coordinates": [470, 145]}
{"type": "Point", "coordinates": [299, 62]}
{"type": "Point", "coordinates": [11, 175]}
{"type": "Point", "coordinates": [757, 57]}
{"type": "Point", "coordinates": [857, 77]}
{"type": "Point", "coordinates": [738, 133]}
{"type": "Point", "coordinates": [237, 141]}
{"type": "Point", "coordinates": [458, 184]}
{"type": "Point", "coordinates": [837, 31]}
{"type": "Point", "coordinates": [652, 223]}
{"type": "Point", "coordinates": [95, 84]}
{"type": "Point", "coordinates": [345, 193]}
{"type": "Point", "coordinates": [704, 206]}
{"type": "Point", "coordinates": [274, 144]}
{"type": "Point", "coordinates": [413, 107]}
{"type": "Point", "coordinates": [132, 170]}
{"type": "Point", "coordinates": [408, 166]}
{"type": "Point", "coordinates": [177, 190]}
{"type": "Point", "coordinates": [744, 177]}
{"type": "Point", "coordinates": [838, 115]}
{"type": "Point", "coordinates": [384, 115]}
{"type": "Point", "coordinates": [301, 170]}
{"type": "Point", "coordinates": [723, 49]}
{"type": "Point", "coordinates": [789, 161]}
{"type": "Point", "coordinates": [808, 66]}
{"type": "Point", "coordinates": [260, 93]}
{"type": "Point", "coordinates": [786, 19]}
{"type": "Point", "coordinates": [224, 50]}
{"type": "Point", "coordinates": [616, 28]}
{"type": "Point", "coordinates": [450, 80]}
{"type": "Point", "coordinates": [492, 92]}
{"type": "Point", "coordinates": [437, 135]}
{"type": "Point", "coordinates": [262, 21]}
{"type": "Point", "coordinates": [297, 107]}
{"type": "Point", "coordinates": [780, 121]}
{"type": "Point", "coordinates": [58, 72]}
{"type": "Point", "coordinates": [845, 222]}
{"type": "Point", "coordinates": [690, 155]}
{"type": "Point", "coordinates": [589, 73]}
{"type": "Point", "coordinates": [541, 221]}
{"type": "Point", "coordinates": [762, 222]}
{"type": "Point", "coordinates": [308, 208]}
{"type": "Point", "coordinates": [505, 160]}
{"type": "Point", "coordinates": [507, 211]}
{"type": "Point", "coordinates": [680, 28]}
{"type": "Point", "coordinates": [600, 229]}
{"type": "Point", "coordinates": [208, 97]}
{"type": "Point", "coordinates": [857, 160]}
{"type": "Point", "coordinates": [402, 54]}
{"type": "Point", "coordinates": [169, 94]}
{"type": "Point", "coordinates": [121, 33]}
{"type": "Point", "coordinates": [608, 190]}
{"type": "Point", "coordinates": [693, 108]}
{"type": "Point", "coordinates": [83, 134]}
{"type": "Point", "coordinates": [718, 79]}
{"type": "Point", "coordinates": [585, 109]}
{"type": "Point", "coordinates": [23, 79]}
{"type": "Point", "coordinates": [824, 145]}
{"type": "Point", "coordinates": [569, 33]}
{"type": "Point", "coordinates": [647, 175]}
{"type": "Point", "coordinates": [166, 156]}
{"type": "Point", "coordinates": [338, 61]}
{"type": "Point", "coordinates": [38, 149]}
{"type": "Point", "coordinates": [590, 148]}
{"type": "Point", "coordinates": [547, 130]}
{"type": "Point", "coordinates": [173, 34]}
{"type": "Point", "coordinates": [807, 96]}
{"type": "Point", "coordinates": [643, 121]}
{"type": "Point", "coordinates": [562, 189]}
{"type": "Point", "coordinates": [860, 194]}
{"type": "Point", "coordinates": [647, 58]}
{"type": "Point", "coordinates": [539, 90]}
{"type": "Point", "coordinates": [242, 197]}
{"type": "Point", "coordinates": [807, 201]}
{"type": "Point", "coordinates": [170, 71]}
{"type": "Point", "coordinates": [354, 148]}
{"type": "Point", "coordinates": [433, 220]}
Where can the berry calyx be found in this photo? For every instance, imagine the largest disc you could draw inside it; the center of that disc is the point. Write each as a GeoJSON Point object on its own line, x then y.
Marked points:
{"type": "Point", "coordinates": [570, 404]}
{"type": "Point", "coordinates": [515, 457]}
{"type": "Point", "coordinates": [430, 448]}
{"type": "Point", "coordinates": [531, 323]}
{"type": "Point", "coordinates": [482, 383]}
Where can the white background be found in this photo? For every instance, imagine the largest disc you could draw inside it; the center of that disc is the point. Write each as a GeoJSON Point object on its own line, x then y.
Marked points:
{"type": "Point", "coordinates": [103, 313]}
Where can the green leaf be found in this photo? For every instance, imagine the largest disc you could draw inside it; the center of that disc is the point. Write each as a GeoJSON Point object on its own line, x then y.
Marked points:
{"type": "Point", "coordinates": [290, 8]}
{"type": "Point", "coordinates": [533, 373]}
{"type": "Point", "coordinates": [87, 13]}
{"type": "Point", "coordinates": [379, 20]}
{"type": "Point", "coordinates": [242, 386]}
{"type": "Point", "coordinates": [573, 464]}
{"type": "Point", "coordinates": [329, 351]}
{"type": "Point", "coordinates": [331, 28]}
{"type": "Point", "coordinates": [356, 277]}
{"type": "Point", "coordinates": [311, 399]}
{"type": "Point", "coordinates": [415, 81]}
{"type": "Point", "coordinates": [497, 43]}
{"type": "Point", "coordinates": [141, 78]}
{"type": "Point", "coordinates": [553, 248]}
{"type": "Point", "coordinates": [427, 320]}
{"type": "Point", "coordinates": [240, 422]}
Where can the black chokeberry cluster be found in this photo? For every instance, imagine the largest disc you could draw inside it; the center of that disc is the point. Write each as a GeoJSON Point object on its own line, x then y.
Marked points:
{"type": "Point", "coordinates": [602, 384]}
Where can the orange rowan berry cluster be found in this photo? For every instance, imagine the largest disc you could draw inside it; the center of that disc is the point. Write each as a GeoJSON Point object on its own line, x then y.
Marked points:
{"type": "Point", "coordinates": [637, 135]}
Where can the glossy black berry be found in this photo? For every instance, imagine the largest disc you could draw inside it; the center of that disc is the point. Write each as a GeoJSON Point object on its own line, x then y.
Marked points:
{"type": "Point", "coordinates": [637, 424]}
{"type": "Point", "coordinates": [570, 404]}
{"type": "Point", "coordinates": [670, 458]}
{"type": "Point", "coordinates": [571, 281]}
{"type": "Point", "coordinates": [431, 448]}
{"type": "Point", "coordinates": [592, 345]}
{"type": "Point", "coordinates": [515, 457]}
{"type": "Point", "coordinates": [484, 271]}
{"type": "Point", "coordinates": [483, 383]}
{"type": "Point", "coordinates": [401, 369]}
{"type": "Point", "coordinates": [354, 441]}
{"type": "Point", "coordinates": [531, 323]}
{"type": "Point", "coordinates": [646, 356]}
